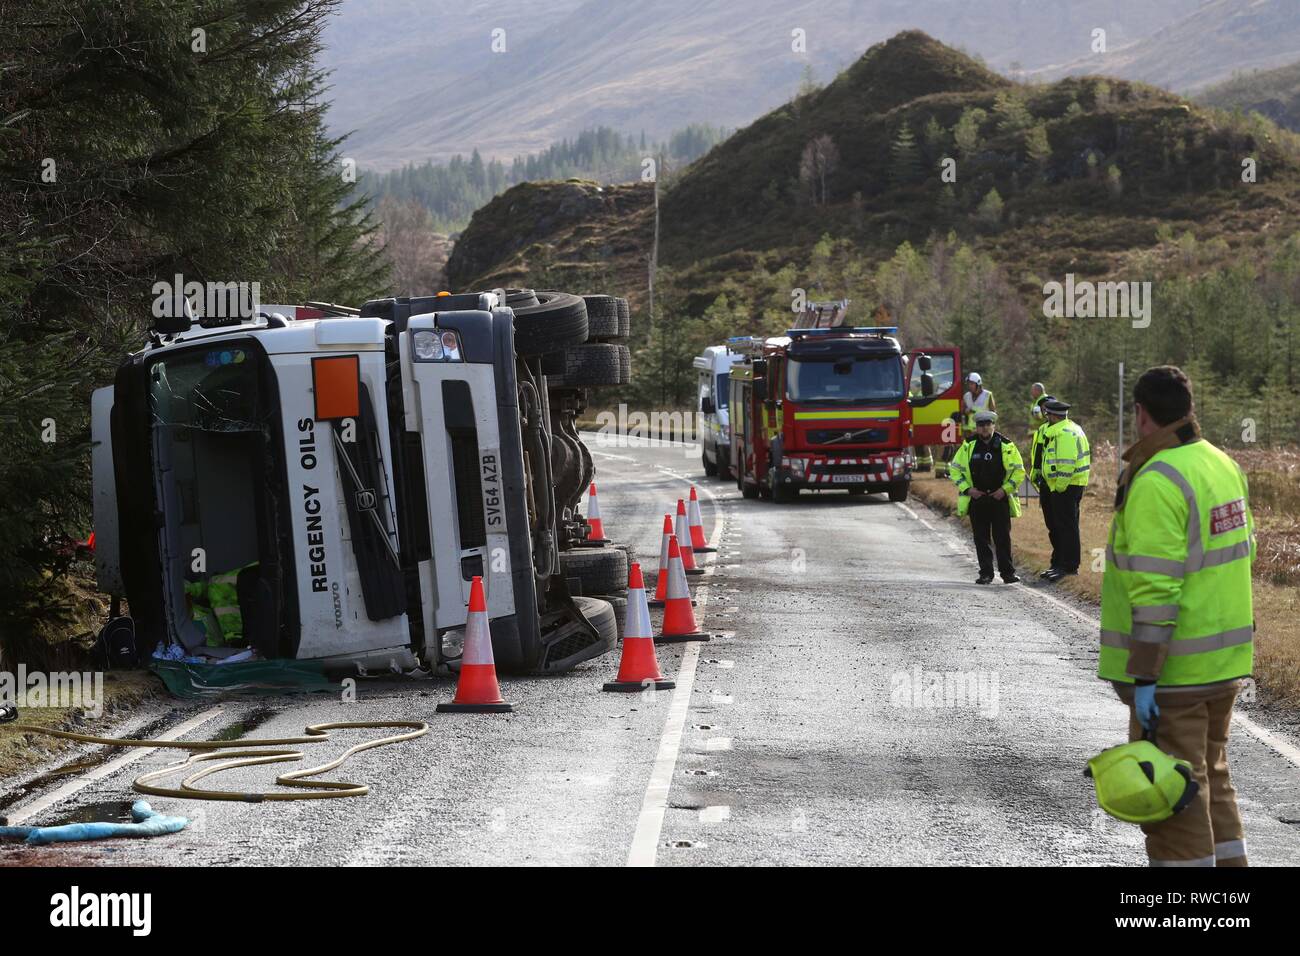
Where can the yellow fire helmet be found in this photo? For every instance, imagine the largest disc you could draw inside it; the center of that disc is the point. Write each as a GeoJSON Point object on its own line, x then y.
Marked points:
{"type": "Point", "coordinates": [1139, 783]}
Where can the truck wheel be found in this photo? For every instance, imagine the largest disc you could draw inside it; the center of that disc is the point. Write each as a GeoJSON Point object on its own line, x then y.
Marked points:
{"type": "Point", "coordinates": [624, 365]}
{"type": "Point", "coordinates": [619, 603]}
{"type": "Point", "coordinates": [898, 490]}
{"type": "Point", "coordinates": [709, 469]}
{"type": "Point", "coordinates": [601, 616]}
{"type": "Point", "coordinates": [588, 366]}
{"type": "Point", "coordinates": [604, 319]}
{"type": "Point", "coordinates": [597, 570]}
{"type": "Point", "coordinates": [521, 298]}
{"type": "Point", "coordinates": [624, 318]}
{"type": "Point", "coordinates": [724, 466]}
{"type": "Point", "coordinates": [557, 321]}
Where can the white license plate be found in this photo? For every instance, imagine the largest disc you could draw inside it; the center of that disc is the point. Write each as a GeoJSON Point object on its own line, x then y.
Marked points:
{"type": "Point", "coordinates": [848, 479]}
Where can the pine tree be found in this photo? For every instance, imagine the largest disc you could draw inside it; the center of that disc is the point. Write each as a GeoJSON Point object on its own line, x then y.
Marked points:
{"type": "Point", "coordinates": [905, 159]}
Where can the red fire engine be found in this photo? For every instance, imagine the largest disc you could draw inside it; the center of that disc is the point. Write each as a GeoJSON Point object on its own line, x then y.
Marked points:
{"type": "Point", "coordinates": [840, 407]}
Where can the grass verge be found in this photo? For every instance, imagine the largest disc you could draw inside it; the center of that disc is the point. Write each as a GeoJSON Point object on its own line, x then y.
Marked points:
{"type": "Point", "coordinates": [1274, 477]}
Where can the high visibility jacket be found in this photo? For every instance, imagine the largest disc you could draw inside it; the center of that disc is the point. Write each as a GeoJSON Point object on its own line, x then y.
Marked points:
{"type": "Point", "coordinates": [973, 404]}
{"type": "Point", "coordinates": [959, 470]}
{"type": "Point", "coordinates": [218, 598]}
{"type": "Point", "coordinates": [1176, 596]}
{"type": "Point", "coordinates": [1067, 457]}
{"type": "Point", "coordinates": [1034, 466]}
{"type": "Point", "coordinates": [1036, 414]}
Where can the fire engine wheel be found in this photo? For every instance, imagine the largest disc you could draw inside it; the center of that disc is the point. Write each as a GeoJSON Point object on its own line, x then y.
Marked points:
{"type": "Point", "coordinates": [898, 490]}
{"type": "Point", "coordinates": [559, 320]}
{"type": "Point", "coordinates": [604, 318]}
{"type": "Point", "coordinates": [597, 570]}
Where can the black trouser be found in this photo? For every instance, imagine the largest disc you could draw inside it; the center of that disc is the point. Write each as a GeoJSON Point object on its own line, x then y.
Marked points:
{"type": "Point", "coordinates": [1045, 503]}
{"type": "Point", "coordinates": [990, 518]}
{"type": "Point", "coordinates": [1063, 527]}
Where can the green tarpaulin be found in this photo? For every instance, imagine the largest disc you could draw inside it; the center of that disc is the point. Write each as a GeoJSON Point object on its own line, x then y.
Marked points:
{"type": "Point", "coordinates": [245, 677]}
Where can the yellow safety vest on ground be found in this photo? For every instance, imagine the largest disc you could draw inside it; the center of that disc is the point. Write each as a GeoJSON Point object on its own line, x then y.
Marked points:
{"type": "Point", "coordinates": [1178, 571]}
{"type": "Point", "coordinates": [959, 471]}
{"type": "Point", "coordinates": [1067, 457]}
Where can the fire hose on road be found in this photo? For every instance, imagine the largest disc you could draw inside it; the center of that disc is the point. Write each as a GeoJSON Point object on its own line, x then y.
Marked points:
{"type": "Point", "coordinates": [245, 757]}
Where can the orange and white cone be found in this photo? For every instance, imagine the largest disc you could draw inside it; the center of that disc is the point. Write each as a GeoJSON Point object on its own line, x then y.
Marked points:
{"type": "Point", "coordinates": [661, 577]}
{"type": "Point", "coordinates": [477, 691]}
{"type": "Point", "coordinates": [683, 534]}
{"type": "Point", "coordinates": [696, 522]}
{"type": "Point", "coordinates": [679, 617]}
{"type": "Point", "coordinates": [639, 668]}
{"type": "Point", "coordinates": [597, 533]}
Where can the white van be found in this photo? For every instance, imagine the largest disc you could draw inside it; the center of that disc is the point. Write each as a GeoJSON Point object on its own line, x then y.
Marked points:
{"type": "Point", "coordinates": [714, 425]}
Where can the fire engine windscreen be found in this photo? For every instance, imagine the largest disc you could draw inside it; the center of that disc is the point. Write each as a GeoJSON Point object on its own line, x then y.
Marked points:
{"type": "Point", "coordinates": [844, 378]}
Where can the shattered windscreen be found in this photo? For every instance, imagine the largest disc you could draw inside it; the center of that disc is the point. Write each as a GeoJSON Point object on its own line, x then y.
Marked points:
{"type": "Point", "coordinates": [212, 441]}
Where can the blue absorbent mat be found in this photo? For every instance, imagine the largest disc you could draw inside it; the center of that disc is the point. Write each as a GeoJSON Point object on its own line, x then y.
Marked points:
{"type": "Point", "coordinates": [148, 823]}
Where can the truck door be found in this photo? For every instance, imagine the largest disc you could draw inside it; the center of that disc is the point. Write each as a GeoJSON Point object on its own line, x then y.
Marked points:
{"type": "Point", "coordinates": [930, 411]}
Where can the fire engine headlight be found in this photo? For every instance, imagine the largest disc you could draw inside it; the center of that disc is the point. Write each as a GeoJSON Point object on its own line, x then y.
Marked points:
{"type": "Point", "coordinates": [796, 466]}
{"type": "Point", "coordinates": [899, 463]}
{"type": "Point", "coordinates": [430, 346]}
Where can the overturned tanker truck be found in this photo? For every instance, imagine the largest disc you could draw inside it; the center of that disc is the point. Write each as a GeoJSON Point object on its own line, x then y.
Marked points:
{"type": "Point", "coordinates": [321, 483]}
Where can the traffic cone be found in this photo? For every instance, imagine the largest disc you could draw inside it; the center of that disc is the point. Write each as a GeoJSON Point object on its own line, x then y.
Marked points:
{"type": "Point", "coordinates": [477, 691]}
{"type": "Point", "coordinates": [661, 576]}
{"type": "Point", "coordinates": [683, 534]}
{"type": "Point", "coordinates": [597, 533]}
{"type": "Point", "coordinates": [679, 618]}
{"type": "Point", "coordinates": [638, 668]}
{"type": "Point", "coordinates": [698, 543]}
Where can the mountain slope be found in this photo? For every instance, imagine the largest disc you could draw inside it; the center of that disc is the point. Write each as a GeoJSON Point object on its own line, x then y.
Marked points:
{"type": "Point", "coordinates": [415, 86]}
{"type": "Point", "coordinates": [1219, 39]}
{"type": "Point", "coordinates": [1274, 93]}
{"type": "Point", "coordinates": [1088, 173]}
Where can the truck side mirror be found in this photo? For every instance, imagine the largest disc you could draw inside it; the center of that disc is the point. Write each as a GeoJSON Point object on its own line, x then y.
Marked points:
{"type": "Point", "coordinates": [707, 406]}
{"type": "Point", "coordinates": [923, 362]}
{"type": "Point", "coordinates": [927, 384]}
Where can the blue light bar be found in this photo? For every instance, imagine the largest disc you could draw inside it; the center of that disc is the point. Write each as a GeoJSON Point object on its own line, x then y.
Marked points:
{"type": "Point", "coordinates": [871, 330]}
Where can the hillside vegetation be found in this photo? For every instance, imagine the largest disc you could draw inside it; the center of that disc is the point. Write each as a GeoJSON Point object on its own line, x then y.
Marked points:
{"type": "Point", "coordinates": [840, 192]}
{"type": "Point", "coordinates": [1272, 93]}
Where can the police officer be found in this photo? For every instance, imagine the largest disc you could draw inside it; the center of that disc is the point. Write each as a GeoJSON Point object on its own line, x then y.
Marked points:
{"type": "Point", "coordinates": [987, 470]}
{"type": "Point", "coordinates": [1037, 395]}
{"type": "Point", "coordinates": [1177, 624]}
{"type": "Point", "coordinates": [1066, 463]}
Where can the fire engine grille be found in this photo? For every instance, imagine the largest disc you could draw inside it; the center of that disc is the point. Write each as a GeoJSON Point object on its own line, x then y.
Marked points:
{"type": "Point", "coordinates": [871, 468]}
{"type": "Point", "coordinates": [870, 436]}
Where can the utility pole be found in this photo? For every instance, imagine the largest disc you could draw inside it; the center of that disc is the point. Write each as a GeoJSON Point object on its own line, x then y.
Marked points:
{"type": "Point", "coordinates": [1120, 461]}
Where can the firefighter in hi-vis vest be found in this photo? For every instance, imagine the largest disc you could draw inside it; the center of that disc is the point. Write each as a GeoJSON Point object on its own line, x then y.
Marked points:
{"type": "Point", "coordinates": [214, 605]}
{"type": "Point", "coordinates": [1177, 625]}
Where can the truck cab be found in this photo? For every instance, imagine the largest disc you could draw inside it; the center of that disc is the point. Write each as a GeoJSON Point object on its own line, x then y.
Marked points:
{"type": "Point", "coordinates": [713, 399]}
{"type": "Point", "coordinates": [342, 474]}
{"type": "Point", "coordinates": [828, 408]}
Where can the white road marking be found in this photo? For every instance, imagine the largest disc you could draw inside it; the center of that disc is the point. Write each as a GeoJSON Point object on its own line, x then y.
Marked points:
{"type": "Point", "coordinates": [26, 812]}
{"type": "Point", "coordinates": [650, 821]}
{"type": "Point", "coordinates": [722, 698]}
{"type": "Point", "coordinates": [715, 814]}
{"type": "Point", "coordinates": [645, 841]}
{"type": "Point", "coordinates": [717, 743]}
{"type": "Point", "coordinates": [1266, 737]}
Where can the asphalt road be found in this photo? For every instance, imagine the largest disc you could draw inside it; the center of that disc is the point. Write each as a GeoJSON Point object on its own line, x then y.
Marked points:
{"type": "Point", "coordinates": [808, 731]}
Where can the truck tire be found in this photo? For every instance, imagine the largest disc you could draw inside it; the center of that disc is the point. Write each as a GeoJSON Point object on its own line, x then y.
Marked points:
{"type": "Point", "coordinates": [521, 298]}
{"type": "Point", "coordinates": [559, 320]}
{"type": "Point", "coordinates": [898, 490]}
{"type": "Point", "coordinates": [618, 602]}
{"type": "Point", "coordinates": [710, 469]}
{"type": "Point", "coordinates": [724, 465]}
{"type": "Point", "coordinates": [624, 365]}
{"type": "Point", "coordinates": [597, 570]}
{"type": "Point", "coordinates": [601, 616]}
{"type": "Point", "coordinates": [604, 319]}
{"type": "Point", "coordinates": [589, 366]}
{"type": "Point", "coordinates": [624, 317]}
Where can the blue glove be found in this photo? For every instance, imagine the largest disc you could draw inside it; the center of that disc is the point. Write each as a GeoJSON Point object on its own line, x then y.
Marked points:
{"type": "Point", "coordinates": [1144, 702]}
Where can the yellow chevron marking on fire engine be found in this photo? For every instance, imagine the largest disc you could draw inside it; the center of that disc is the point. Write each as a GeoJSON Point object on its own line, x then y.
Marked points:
{"type": "Point", "coordinates": [935, 412]}
{"type": "Point", "coordinates": [864, 413]}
